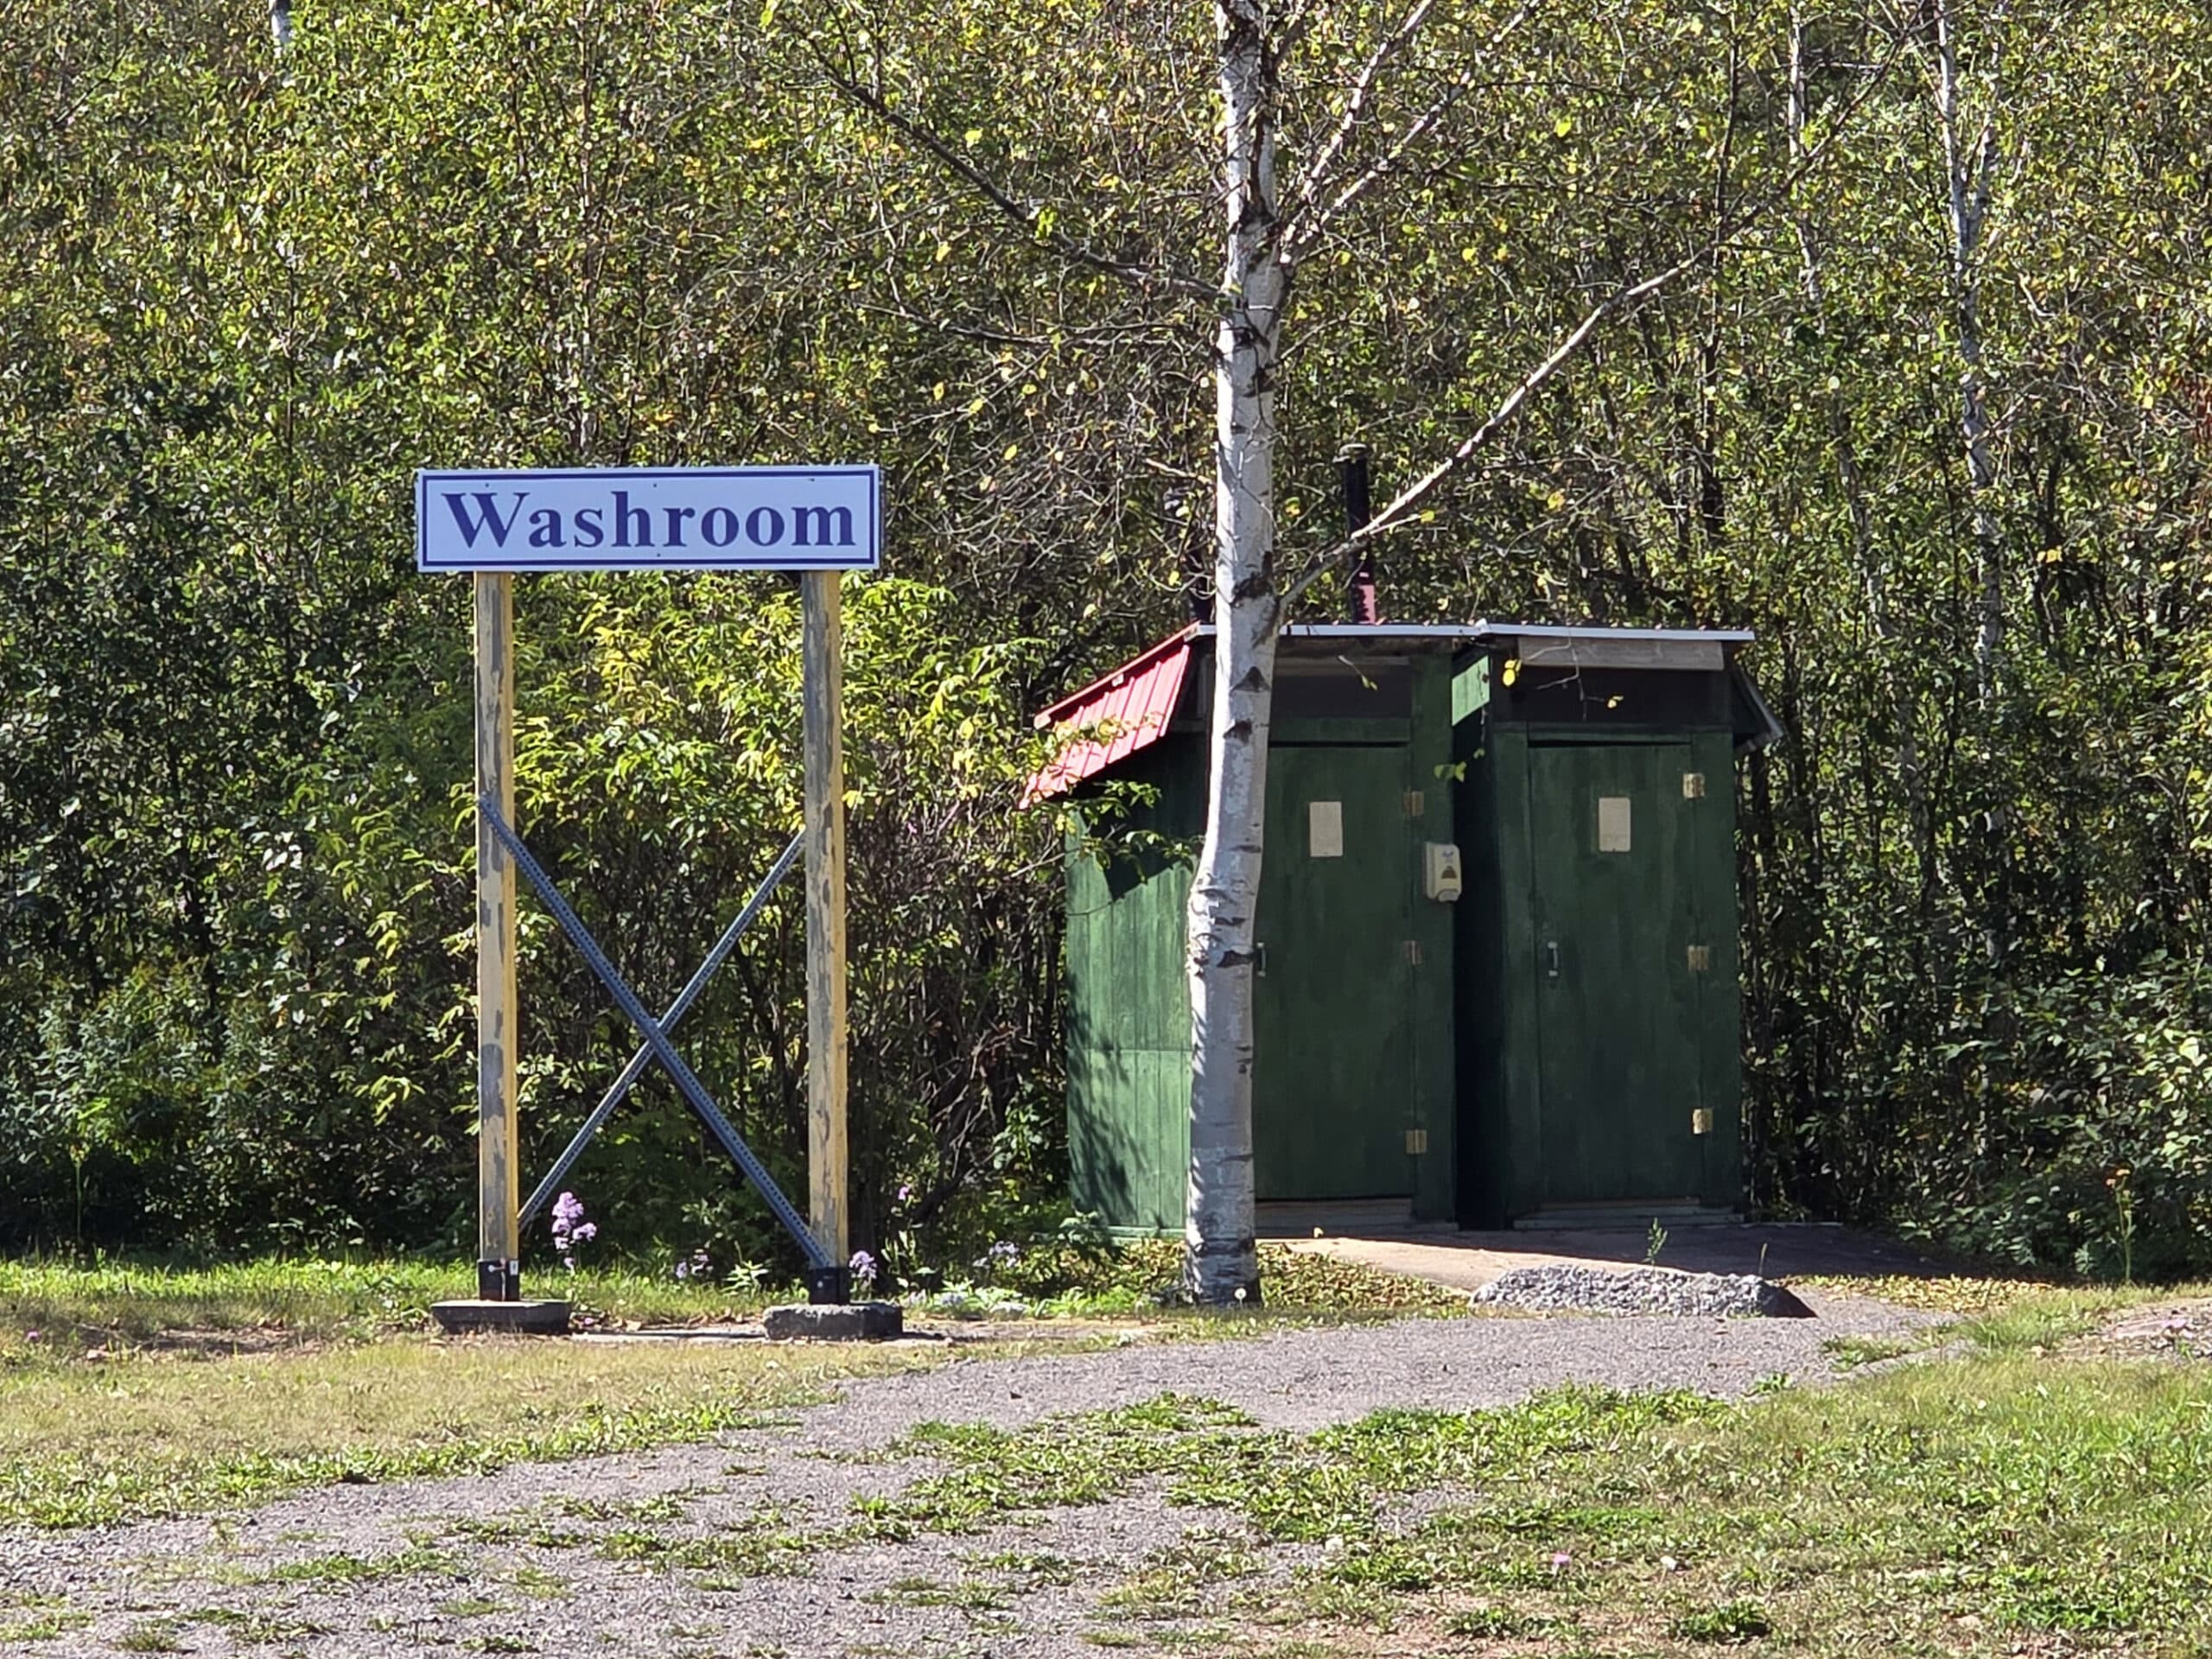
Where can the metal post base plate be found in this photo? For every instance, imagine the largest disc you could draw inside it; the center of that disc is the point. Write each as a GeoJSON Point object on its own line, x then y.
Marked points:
{"type": "Point", "coordinates": [499, 1281]}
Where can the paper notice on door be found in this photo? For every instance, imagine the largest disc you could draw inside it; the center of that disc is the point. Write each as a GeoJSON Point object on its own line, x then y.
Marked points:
{"type": "Point", "coordinates": [1324, 829]}
{"type": "Point", "coordinates": [1612, 824]}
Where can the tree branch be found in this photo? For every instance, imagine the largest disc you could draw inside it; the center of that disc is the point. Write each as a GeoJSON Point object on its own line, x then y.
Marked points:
{"type": "Point", "coordinates": [1307, 191]}
{"type": "Point", "coordinates": [1311, 221]}
{"type": "Point", "coordinates": [1410, 499]}
{"type": "Point", "coordinates": [1145, 277]}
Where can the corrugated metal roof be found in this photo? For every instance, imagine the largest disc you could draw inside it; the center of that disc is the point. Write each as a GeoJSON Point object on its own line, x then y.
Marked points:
{"type": "Point", "coordinates": [1126, 711]}
{"type": "Point", "coordinates": [1500, 630]}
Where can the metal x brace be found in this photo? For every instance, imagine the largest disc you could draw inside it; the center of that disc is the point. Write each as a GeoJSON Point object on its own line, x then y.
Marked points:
{"type": "Point", "coordinates": [657, 1044]}
{"type": "Point", "coordinates": [619, 1090]}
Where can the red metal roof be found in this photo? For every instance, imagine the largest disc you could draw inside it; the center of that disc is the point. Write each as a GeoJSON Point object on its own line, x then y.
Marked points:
{"type": "Point", "coordinates": [1113, 716]}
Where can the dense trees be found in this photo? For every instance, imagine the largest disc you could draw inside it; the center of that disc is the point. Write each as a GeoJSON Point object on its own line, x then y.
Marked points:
{"type": "Point", "coordinates": [240, 306]}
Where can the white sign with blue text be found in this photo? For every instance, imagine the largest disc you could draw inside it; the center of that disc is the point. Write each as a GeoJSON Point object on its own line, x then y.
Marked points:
{"type": "Point", "coordinates": [651, 518]}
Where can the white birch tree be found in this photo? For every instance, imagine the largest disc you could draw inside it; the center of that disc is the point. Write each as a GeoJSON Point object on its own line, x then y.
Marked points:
{"type": "Point", "coordinates": [1221, 1256]}
{"type": "Point", "coordinates": [1268, 230]}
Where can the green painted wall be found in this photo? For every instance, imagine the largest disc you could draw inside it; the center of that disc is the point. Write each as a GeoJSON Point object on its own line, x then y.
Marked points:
{"type": "Point", "coordinates": [1333, 1077]}
{"type": "Point", "coordinates": [1432, 1000]}
{"type": "Point", "coordinates": [1407, 1047]}
{"type": "Point", "coordinates": [1720, 1018]}
{"type": "Point", "coordinates": [1129, 1008]}
{"type": "Point", "coordinates": [1353, 1018]}
{"type": "Point", "coordinates": [1577, 1089]}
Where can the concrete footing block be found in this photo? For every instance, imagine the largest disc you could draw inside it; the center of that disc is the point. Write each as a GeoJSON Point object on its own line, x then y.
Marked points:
{"type": "Point", "coordinates": [835, 1321]}
{"type": "Point", "coordinates": [472, 1315]}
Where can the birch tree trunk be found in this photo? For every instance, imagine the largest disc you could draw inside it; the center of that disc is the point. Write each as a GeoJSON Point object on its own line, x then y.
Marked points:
{"type": "Point", "coordinates": [1970, 167]}
{"type": "Point", "coordinates": [1871, 560]}
{"type": "Point", "coordinates": [1221, 1259]}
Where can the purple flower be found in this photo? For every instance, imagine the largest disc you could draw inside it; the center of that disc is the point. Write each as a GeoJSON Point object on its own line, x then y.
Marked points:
{"type": "Point", "coordinates": [863, 1267]}
{"type": "Point", "coordinates": [1004, 1254]}
{"type": "Point", "coordinates": [570, 1229]}
{"type": "Point", "coordinates": [31, 1336]}
{"type": "Point", "coordinates": [906, 1192]}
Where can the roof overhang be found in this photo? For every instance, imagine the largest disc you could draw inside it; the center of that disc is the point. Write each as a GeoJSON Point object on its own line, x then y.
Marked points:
{"type": "Point", "coordinates": [1129, 708]}
{"type": "Point", "coordinates": [1113, 717]}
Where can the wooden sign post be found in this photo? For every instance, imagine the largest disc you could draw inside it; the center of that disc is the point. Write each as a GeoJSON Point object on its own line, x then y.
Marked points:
{"type": "Point", "coordinates": [498, 1173]}
{"type": "Point", "coordinates": [818, 521]}
{"type": "Point", "coordinates": [823, 652]}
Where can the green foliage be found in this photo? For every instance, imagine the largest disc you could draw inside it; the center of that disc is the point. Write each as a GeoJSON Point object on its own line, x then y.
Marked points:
{"type": "Point", "coordinates": [243, 303]}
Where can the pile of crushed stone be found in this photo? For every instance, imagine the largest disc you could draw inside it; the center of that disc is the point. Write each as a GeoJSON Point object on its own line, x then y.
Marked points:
{"type": "Point", "coordinates": [1643, 1290]}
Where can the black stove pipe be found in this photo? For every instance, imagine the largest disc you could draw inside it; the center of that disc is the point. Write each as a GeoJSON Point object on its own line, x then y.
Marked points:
{"type": "Point", "coordinates": [1353, 477]}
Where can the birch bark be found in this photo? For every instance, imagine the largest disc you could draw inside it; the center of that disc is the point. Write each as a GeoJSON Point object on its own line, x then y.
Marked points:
{"type": "Point", "coordinates": [1873, 564]}
{"type": "Point", "coordinates": [1221, 1259]}
{"type": "Point", "coordinates": [1969, 165]}
{"type": "Point", "coordinates": [1970, 168]}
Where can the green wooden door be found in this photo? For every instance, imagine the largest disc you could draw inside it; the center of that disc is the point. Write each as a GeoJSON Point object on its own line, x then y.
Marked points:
{"type": "Point", "coordinates": [1612, 834]}
{"type": "Point", "coordinates": [1332, 1082]}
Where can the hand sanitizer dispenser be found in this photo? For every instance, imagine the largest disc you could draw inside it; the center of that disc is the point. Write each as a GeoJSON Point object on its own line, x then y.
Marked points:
{"type": "Point", "coordinates": [1440, 876]}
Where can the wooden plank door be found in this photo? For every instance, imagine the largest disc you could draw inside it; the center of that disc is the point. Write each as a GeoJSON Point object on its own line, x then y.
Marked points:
{"type": "Point", "coordinates": [1617, 989]}
{"type": "Point", "coordinates": [1332, 1082]}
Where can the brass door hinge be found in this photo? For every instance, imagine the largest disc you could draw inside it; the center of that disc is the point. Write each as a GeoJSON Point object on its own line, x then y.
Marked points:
{"type": "Point", "coordinates": [1701, 958]}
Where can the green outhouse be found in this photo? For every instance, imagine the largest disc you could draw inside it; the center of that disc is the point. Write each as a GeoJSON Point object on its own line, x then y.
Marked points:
{"type": "Point", "coordinates": [1497, 927]}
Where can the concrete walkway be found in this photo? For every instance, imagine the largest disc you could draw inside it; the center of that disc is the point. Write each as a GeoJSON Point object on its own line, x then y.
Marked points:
{"type": "Point", "coordinates": [1381, 1235]}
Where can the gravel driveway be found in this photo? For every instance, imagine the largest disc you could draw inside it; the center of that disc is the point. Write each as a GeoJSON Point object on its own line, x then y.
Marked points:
{"type": "Point", "coordinates": [532, 1560]}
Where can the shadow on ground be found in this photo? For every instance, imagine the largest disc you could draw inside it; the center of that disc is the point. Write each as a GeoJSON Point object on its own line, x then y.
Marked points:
{"type": "Point", "coordinates": [1382, 1235]}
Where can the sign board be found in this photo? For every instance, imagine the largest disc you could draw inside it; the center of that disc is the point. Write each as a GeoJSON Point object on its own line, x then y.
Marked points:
{"type": "Point", "coordinates": [651, 518]}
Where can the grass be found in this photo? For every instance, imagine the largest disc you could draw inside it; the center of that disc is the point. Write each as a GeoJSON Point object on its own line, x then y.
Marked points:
{"type": "Point", "coordinates": [2051, 1318]}
{"type": "Point", "coordinates": [317, 1371]}
{"type": "Point", "coordinates": [2002, 1503]}
{"type": "Point", "coordinates": [115, 1304]}
{"type": "Point", "coordinates": [50, 1624]}
{"type": "Point", "coordinates": [414, 1561]}
{"type": "Point", "coordinates": [57, 1307]}
{"type": "Point", "coordinates": [142, 1436]}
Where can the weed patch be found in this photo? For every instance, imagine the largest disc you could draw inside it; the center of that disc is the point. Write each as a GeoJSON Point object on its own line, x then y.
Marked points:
{"type": "Point", "coordinates": [1739, 1620]}
{"type": "Point", "coordinates": [47, 1626]}
{"type": "Point", "coordinates": [417, 1560]}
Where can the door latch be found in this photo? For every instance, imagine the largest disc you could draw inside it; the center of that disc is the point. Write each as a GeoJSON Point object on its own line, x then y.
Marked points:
{"type": "Point", "coordinates": [1259, 960]}
{"type": "Point", "coordinates": [1551, 958]}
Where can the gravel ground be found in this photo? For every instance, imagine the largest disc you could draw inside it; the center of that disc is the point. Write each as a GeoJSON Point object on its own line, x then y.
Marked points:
{"type": "Point", "coordinates": [208, 1585]}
